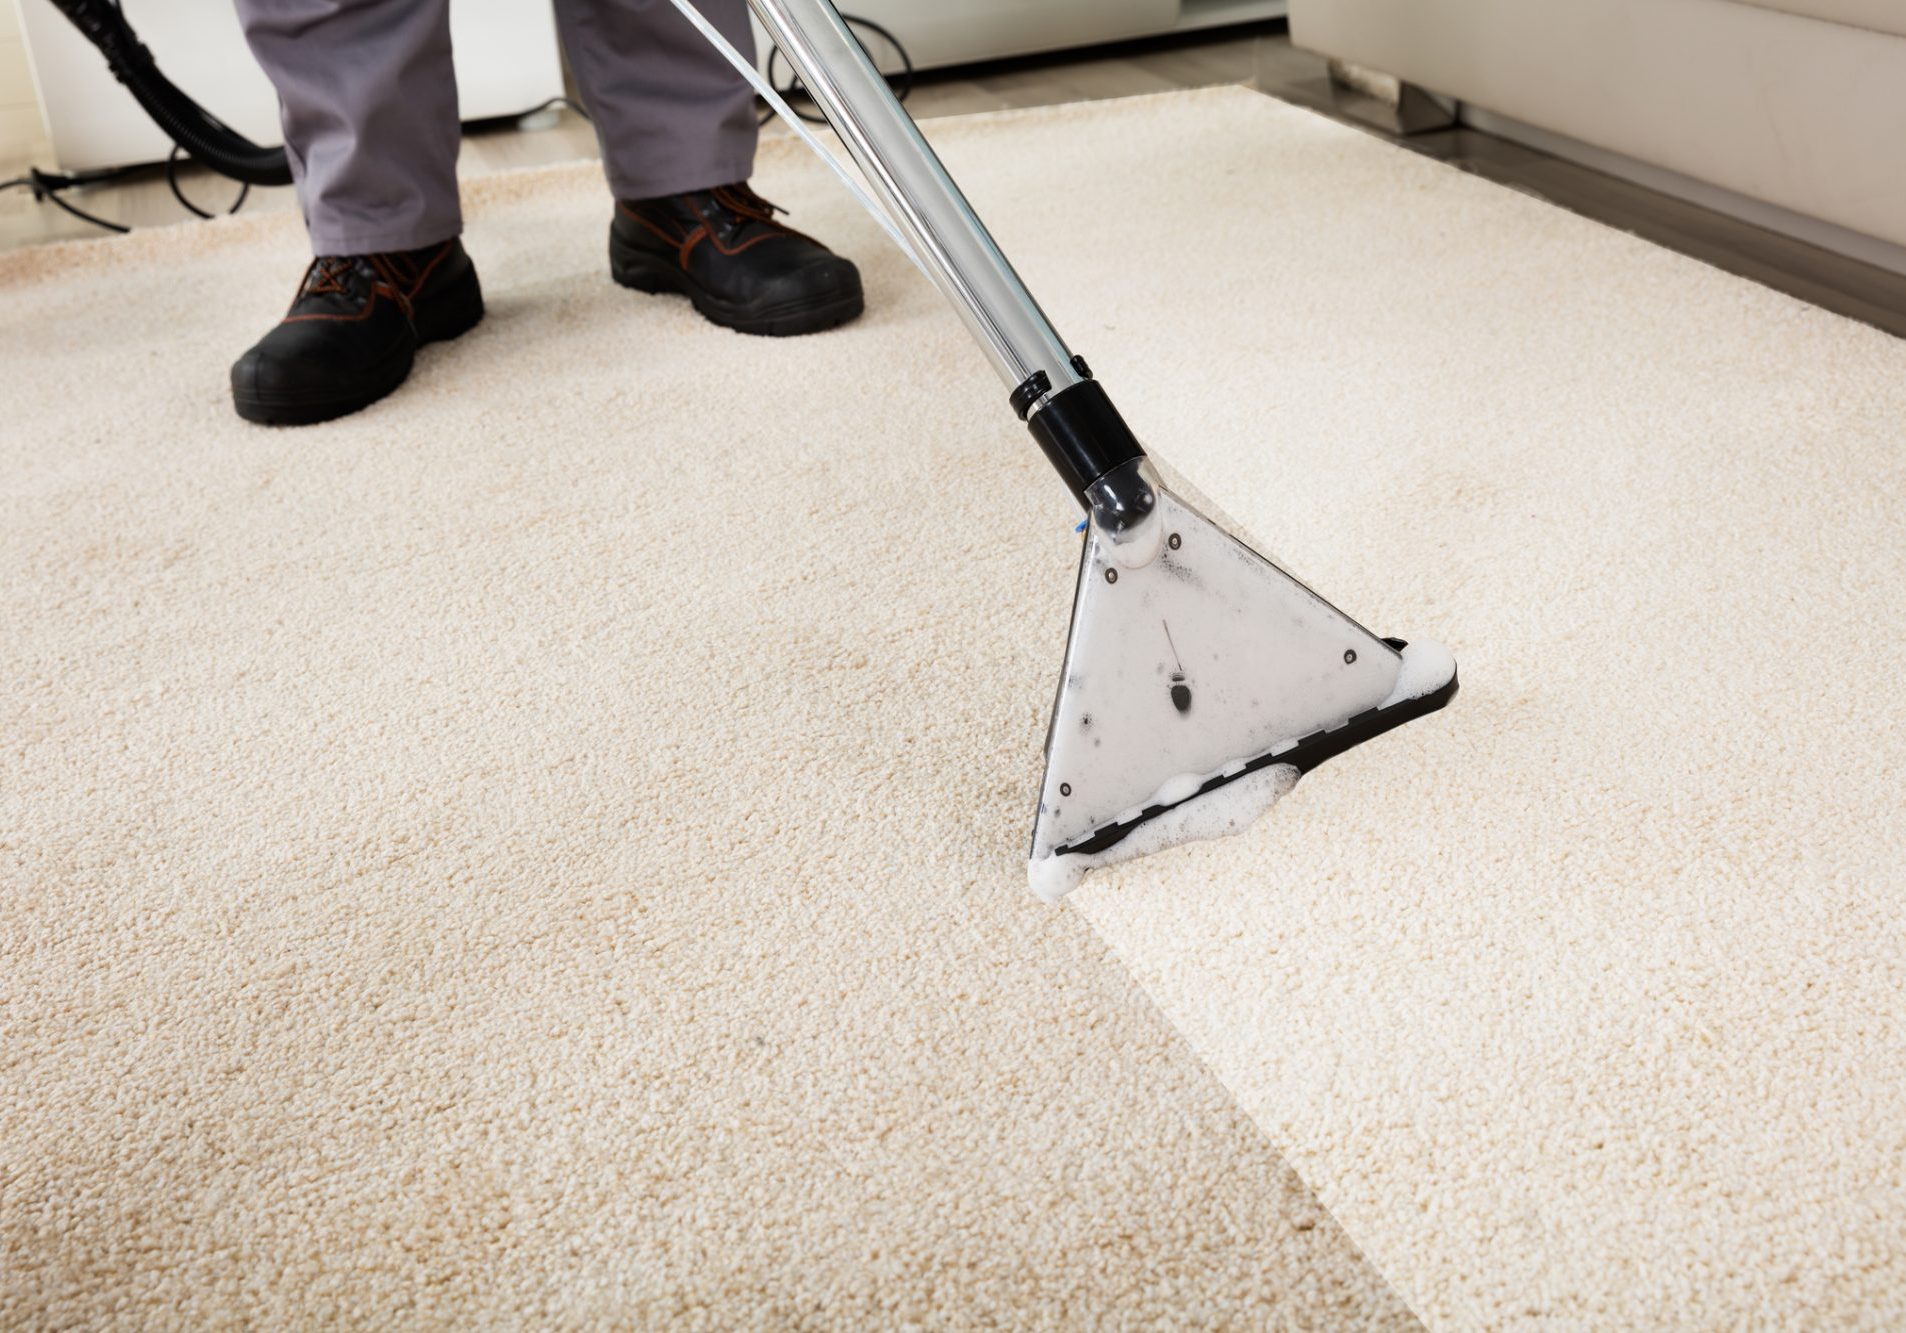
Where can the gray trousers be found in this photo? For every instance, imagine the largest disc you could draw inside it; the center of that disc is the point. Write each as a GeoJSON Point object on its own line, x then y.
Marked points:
{"type": "Point", "coordinates": [369, 103]}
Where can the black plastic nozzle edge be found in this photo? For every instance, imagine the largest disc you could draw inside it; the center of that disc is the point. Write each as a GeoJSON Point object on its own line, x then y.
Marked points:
{"type": "Point", "coordinates": [1307, 754]}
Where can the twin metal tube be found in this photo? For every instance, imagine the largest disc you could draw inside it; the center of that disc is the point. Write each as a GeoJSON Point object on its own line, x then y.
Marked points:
{"type": "Point", "coordinates": [908, 179]}
{"type": "Point", "coordinates": [1070, 415]}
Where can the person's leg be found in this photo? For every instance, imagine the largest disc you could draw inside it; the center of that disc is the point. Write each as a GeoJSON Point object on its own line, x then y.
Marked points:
{"type": "Point", "coordinates": [368, 98]}
{"type": "Point", "coordinates": [670, 113]}
{"type": "Point", "coordinates": [369, 102]}
{"type": "Point", "coordinates": [678, 130]}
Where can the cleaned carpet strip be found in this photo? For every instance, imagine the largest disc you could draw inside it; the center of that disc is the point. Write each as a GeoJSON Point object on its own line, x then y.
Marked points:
{"type": "Point", "coordinates": [547, 851]}
{"type": "Point", "coordinates": [1585, 1001]}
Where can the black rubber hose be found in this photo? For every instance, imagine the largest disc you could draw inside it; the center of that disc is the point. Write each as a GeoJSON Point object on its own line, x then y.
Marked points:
{"type": "Point", "coordinates": [208, 139]}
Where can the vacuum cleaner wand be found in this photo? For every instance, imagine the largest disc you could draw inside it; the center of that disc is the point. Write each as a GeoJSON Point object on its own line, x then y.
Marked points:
{"type": "Point", "coordinates": [1200, 680]}
{"type": "Point", "coordinates": [1051, 389]}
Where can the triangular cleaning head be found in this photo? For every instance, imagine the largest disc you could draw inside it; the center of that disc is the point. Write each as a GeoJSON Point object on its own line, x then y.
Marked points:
{"type": "Point", "coordinates": [1200, 682]}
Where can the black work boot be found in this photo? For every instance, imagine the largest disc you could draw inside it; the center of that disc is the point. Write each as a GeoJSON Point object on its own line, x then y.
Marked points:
{"type": "Point", "coordinates": [724, 251]}
{"type": "Point", "coordinates": [353, 330]}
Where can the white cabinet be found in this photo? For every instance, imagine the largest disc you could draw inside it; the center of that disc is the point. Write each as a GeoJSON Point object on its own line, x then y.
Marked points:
{"type": "Point", "coordinates": [507, 56]}
{"type": "Point", "coordinates": [954, 32]}
{"type": "Point", "coordinates": [506, 63]}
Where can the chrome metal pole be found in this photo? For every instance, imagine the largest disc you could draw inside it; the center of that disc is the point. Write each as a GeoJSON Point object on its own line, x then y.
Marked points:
{"type": "Point", "coordinates": [909, 180]}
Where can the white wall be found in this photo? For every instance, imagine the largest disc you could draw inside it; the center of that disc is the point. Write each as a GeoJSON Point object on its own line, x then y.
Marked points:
{"type": "Point", "coordinates": [23, 138]}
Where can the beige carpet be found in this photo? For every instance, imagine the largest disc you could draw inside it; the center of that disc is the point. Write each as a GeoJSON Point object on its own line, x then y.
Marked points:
{"type": "Point", "coordinates": [1585, 1001]}
{"type": "Point", "coordinates": [549, 849]}
{"type": "Point", "coordinates": [546, 851]}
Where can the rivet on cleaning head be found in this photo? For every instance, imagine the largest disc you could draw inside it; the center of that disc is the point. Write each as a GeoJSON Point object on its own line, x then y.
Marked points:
{"type": "Point", "coordinates": [1111, 576]}
{"type": "Point", "coordinates": [1065, 789]}
{"type": "Point", "coordinates": [1349, 656]}
{"type": "Point", "coordinates": [1174, 541]}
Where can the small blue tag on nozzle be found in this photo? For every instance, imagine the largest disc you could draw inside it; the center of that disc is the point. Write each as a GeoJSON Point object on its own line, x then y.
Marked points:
{"type": "Point", "coordinates": [1082, 523]}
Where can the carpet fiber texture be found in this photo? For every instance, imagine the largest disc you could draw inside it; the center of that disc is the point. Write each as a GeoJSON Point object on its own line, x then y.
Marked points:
{"type": "Point", "coordinates": [551, 846]}
{"type": "Point", "coordinates": [546, 850]}
{"type": "Point", "coordinates": [1585, 1000]}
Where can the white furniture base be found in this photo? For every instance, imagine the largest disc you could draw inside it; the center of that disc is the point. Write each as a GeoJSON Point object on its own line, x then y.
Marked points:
{"type": "Point", "coordinates": [506, 63]}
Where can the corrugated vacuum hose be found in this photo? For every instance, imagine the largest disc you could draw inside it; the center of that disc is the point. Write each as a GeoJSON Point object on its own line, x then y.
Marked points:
{"type": "Point", "coordinates": [197, 131]}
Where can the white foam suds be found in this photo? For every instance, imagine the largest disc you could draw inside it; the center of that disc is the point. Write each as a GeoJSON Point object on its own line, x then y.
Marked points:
{"type": "Point", "coordinates": [1230, 809]}
{"type": "Point", "coordinates": [1427, 665]}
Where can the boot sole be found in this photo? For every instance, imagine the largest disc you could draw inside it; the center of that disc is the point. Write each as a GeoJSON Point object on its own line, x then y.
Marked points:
{"type": "Point", "coordinates": [643, 272]}
{"type": "Point", "coordinates": [454, 315]}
